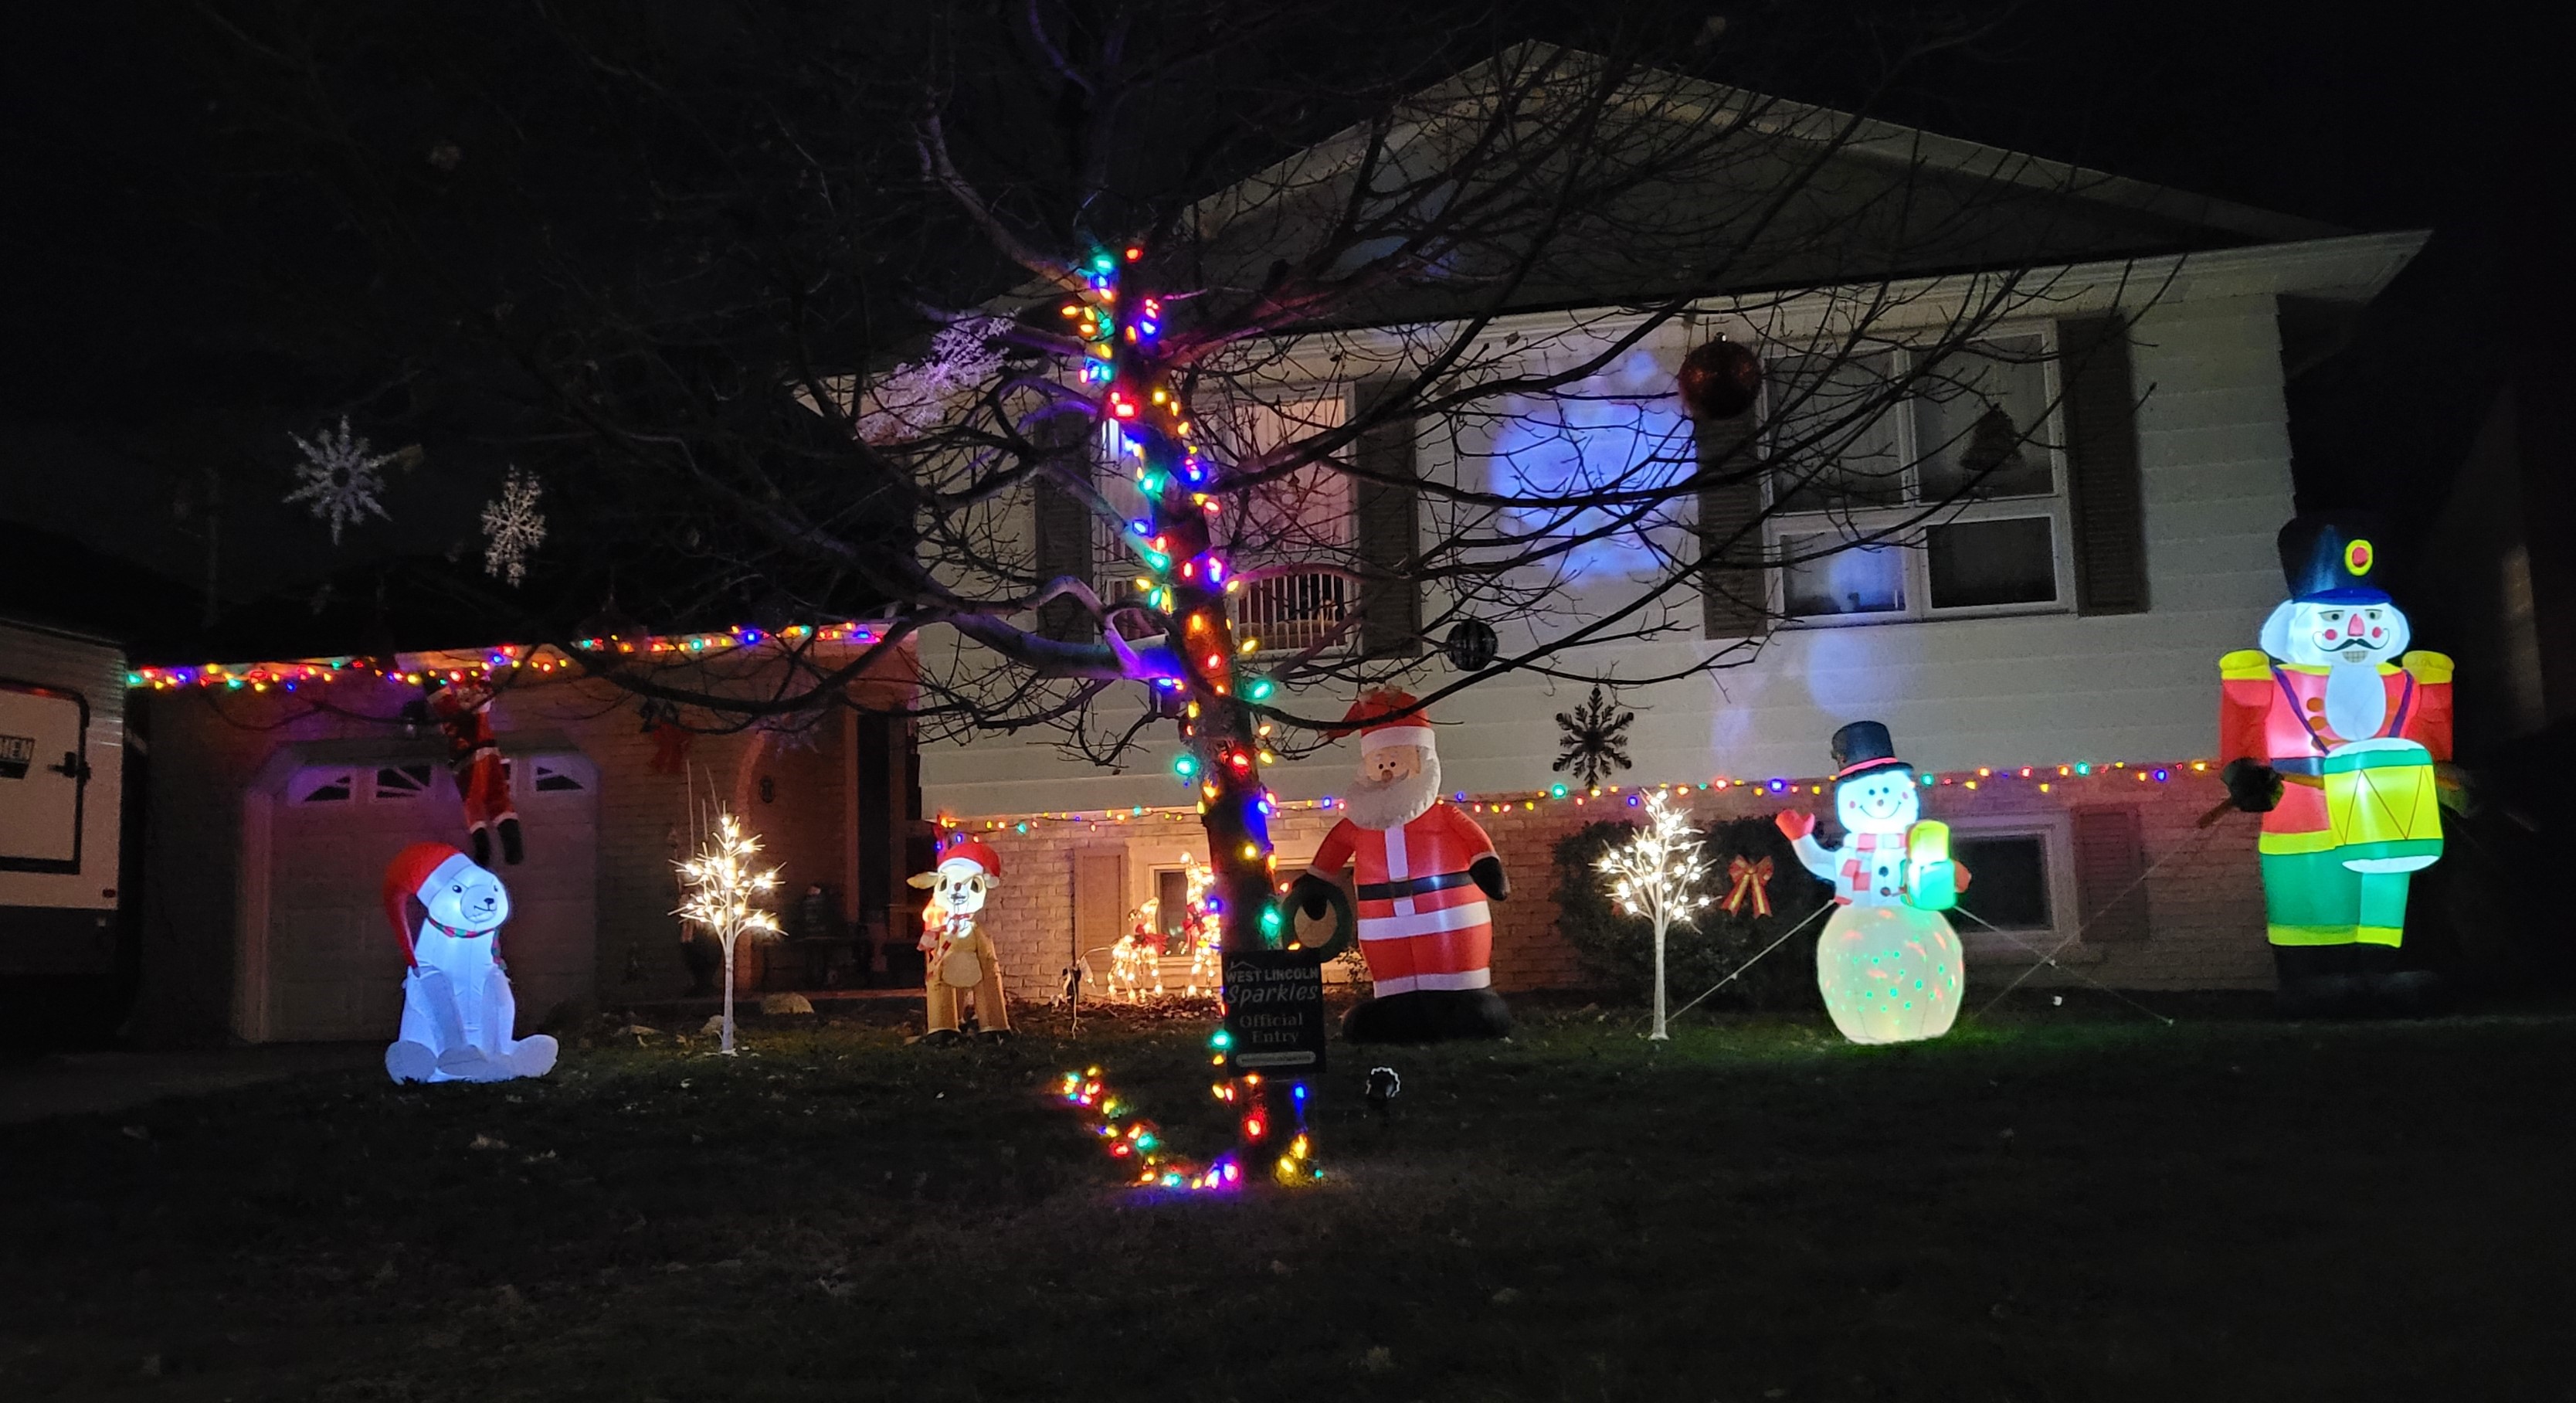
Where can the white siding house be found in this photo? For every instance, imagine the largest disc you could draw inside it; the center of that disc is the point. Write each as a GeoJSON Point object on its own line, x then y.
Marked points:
{"type": "Point", "coordinates": [2144, 550]}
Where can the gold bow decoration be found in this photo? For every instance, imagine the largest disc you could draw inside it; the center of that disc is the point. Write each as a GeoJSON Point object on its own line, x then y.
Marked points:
{"type": "Point", "coordinates": [1752, 882]}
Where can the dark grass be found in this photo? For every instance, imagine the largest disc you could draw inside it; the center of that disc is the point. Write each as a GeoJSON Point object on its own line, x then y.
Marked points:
{"type": "Point", "coordinates": [2064, 1203]}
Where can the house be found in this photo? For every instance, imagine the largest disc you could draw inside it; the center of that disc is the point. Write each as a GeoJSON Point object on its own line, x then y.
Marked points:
{"type": "Point", "coordinates": [2045, 650]}
{"type": "Point", "coordinates": [280, 791]}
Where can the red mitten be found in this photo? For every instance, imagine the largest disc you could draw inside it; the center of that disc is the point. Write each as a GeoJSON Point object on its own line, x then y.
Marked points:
{"type": "Point", "coordinates": [1796, 824]}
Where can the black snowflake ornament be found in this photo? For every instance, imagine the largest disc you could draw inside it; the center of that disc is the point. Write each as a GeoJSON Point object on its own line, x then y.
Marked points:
{"type": "Point", "coordinates": [1596, 740]}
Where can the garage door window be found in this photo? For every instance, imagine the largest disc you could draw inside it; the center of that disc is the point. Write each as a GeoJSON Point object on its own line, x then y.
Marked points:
{"type": "Point", "coordinates": [397, 784]}
{"type": "Point", "coordinates": [554, 779]}
{"type": "Point", "coordinates": [325, 786]}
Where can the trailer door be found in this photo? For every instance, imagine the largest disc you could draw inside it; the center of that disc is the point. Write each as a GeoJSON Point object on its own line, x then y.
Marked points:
{"type": "Point", "coordinates": [44, 733]}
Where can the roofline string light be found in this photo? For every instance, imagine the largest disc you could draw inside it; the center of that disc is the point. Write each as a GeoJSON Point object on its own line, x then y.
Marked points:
{"type": "Point", "coordinates": [2046, 778]}
{"type": "Point", "coordinates": [491, 660]}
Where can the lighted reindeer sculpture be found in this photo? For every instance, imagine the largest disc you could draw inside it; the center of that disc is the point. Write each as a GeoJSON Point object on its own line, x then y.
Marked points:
{"type": "Point", "coordinates": [961, 958]}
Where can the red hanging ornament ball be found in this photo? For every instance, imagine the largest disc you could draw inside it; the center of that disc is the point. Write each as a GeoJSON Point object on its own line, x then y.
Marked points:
{"type": "Point", "coordinates": [1720, 379]}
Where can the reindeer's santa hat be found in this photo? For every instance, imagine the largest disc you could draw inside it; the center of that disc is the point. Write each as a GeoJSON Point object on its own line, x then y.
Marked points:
{"type": "Point", "coordinates": [415, 872]}
{"type": "Point", "coordinates": [1375, 717]}
{"type": "Point", "coordinates": [973, 851]}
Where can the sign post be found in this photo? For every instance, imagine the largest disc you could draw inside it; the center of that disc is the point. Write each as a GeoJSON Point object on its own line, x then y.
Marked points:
{"type": "Point", "coordinates": [1274, 1012]}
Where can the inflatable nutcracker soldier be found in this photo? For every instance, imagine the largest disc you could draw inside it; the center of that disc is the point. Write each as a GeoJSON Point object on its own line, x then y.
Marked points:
{"type": "Point", "coordinates": [1888, 964]}
{"type": "Point", "coordinates": [463, 711]}
{"type": "Point", "coordinates": [961, 957]}
{"type": "Point", "coordinates": [458, 1013]}
{"type": "Point", "coordinates": [2331, 731]}
{"type": "Point", "coordinates": [1426, 871]}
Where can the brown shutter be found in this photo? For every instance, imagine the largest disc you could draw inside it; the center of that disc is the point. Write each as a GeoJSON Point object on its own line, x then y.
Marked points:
{"type": "Point", "coordinates": [1734, 588]}
{"type": "Point", "coordinates": [1388, 521]}
{"type": "Point", "coordinates": [1099, 900]}
{"type": "Point", "coordinates": [2104, 498]}
{"type": "Point", "coordinates": [1063, 537]}
{"type": "Point", "coordinates": [2110, 855]}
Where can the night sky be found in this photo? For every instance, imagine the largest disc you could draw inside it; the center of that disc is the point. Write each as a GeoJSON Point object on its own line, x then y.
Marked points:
{"type": "Point", "coordinates": [143, 359]}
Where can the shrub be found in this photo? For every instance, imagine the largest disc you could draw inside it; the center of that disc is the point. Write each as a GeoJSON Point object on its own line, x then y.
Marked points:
{"type": "Point", "coordinates": [1618, 952]}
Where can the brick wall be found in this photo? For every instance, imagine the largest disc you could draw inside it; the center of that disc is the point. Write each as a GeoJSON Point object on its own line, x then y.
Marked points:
{"type": "Point", "coordinates": [2204, 895]}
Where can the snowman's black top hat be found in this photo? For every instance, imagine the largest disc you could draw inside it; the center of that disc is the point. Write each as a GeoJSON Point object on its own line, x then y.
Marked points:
{"type": "Point", "coordinates": [2328, 558]}
{"type": "Point", "coordinates": [1864, 746]}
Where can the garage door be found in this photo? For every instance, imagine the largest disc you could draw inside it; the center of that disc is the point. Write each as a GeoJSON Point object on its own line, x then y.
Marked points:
{"type": "Point", "coordinates": [333, 968]}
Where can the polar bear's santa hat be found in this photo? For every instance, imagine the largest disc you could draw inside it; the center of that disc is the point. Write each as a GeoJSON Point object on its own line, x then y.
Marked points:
{"type": "Point", "coordinates": [1374, 717]}
{"type": "Point", "coordinates": [414, 873]}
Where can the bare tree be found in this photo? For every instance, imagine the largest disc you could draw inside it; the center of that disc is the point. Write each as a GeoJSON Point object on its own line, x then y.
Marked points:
{"type": "Point", "coordinates": [923, 322]}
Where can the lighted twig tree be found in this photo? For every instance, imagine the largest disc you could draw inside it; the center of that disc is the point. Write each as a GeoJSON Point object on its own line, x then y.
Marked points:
{"type": "Point", "coordinates": [718, 890]}
{"type": "Point", "coordinates": [1656, 874]}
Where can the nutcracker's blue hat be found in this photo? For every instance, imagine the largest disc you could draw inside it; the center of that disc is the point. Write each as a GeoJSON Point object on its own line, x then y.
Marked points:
{"type": "Point", "coordinates": [2329, 558]}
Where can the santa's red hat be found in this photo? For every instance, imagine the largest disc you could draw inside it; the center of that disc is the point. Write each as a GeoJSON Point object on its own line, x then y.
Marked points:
{"type": "Point", "coordinates": [411, 874]}
{"type": "Point", "coordinates": [1373, 716]}
{"type": "Point", "coordinates": [979, 853]}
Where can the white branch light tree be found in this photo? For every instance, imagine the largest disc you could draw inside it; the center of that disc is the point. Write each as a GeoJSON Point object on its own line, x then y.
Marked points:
{"type": "Point", "coordinates": [1656, 874]}
{"type": "Point", "coordinates": [717, 890]}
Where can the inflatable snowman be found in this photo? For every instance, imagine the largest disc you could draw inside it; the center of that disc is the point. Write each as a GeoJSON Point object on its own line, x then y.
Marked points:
{"type": "Point", "coordinates": [1888, 963]}
{"type": "Point", "coordinates": [457, 1010]}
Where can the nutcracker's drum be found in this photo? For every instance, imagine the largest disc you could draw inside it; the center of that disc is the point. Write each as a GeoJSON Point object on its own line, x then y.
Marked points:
{"type": "Point", "coordinates": [2381, 805]}
{"type": "Point", "coordinates": [1889, 973]}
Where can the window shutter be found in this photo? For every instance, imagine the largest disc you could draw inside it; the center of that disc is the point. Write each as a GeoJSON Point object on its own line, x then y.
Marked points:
{"type": "Point", "coordinates": [1063, 539]}
{"type": "Point", "coordinates": [2104, 499]}
{"type": "Point", "coordinates": [1388, 524]}
{"type": "Point", "coordinates": [1734, 588]}
{"type": "Point", "coordinates": [2110, 855]}
{"type": "Point", "coordinates": [1099, 900]}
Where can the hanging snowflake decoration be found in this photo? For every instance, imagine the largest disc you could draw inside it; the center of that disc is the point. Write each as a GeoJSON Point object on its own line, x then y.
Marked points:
{"type": "Point", "coordinates": [339, 477]}
{"type": "Point", "coordinates": [1595, 740]}
{"type": "Point", "coordinates": [513, 527]}
{"type": "Point", "coordinates": [911, 399]}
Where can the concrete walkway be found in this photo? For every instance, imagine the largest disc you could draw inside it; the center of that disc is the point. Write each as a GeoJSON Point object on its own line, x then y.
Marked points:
{"type": "Point", "coordinates": [80, 1083]}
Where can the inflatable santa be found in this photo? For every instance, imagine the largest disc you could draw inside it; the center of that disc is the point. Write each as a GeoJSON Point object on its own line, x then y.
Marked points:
{"type": "Point", "coordinates": [961, 958]}
{"type": "Point", "coordinates": [1426, 871]}
{"type": "Point", "coordinates": [457, 1011]}
{"type": "Point", "coordinates": [2332, 731]}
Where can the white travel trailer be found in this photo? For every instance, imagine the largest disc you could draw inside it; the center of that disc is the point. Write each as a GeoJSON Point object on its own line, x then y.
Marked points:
{"type": "Point", "coordinates": [62, 763]}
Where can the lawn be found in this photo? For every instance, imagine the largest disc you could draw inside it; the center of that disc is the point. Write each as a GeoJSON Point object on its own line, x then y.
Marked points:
{"type": "Point", "coordinates": [2059, 1203]}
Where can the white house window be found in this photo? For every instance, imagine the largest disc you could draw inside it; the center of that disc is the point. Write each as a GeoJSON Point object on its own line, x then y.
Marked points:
{"type": "Point", "coordinates": [2020, 900]}
{"type": "Point", "coordinates": [550, 778]}
{"type": "Point", "coordinates": [2009, 876]}
{"type": "Point", "coordinates": [1307, 516]}
{"type": "Point", "coordinates": [1974, 441]}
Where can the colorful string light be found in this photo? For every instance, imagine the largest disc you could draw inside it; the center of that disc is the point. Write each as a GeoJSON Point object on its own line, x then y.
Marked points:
{"type": "Point", "coordinates": [489, 661]}
{"type": "Point", "coordinates": [2045, 778]}
{"type": "Point", "coordinates": [1139, 1145]}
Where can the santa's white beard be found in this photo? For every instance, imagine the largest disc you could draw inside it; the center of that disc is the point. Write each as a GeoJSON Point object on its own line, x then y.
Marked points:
{"type": "Point", "coordinates": [1385, 804]}
{"type": "Point", "coordinates": [2356, 700]}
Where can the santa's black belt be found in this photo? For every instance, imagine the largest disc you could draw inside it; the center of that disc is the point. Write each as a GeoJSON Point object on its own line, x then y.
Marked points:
{"type": "Point", "coordinates": [1389, 891]}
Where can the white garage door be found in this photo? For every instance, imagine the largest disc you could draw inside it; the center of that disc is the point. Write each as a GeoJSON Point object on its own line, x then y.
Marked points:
{"type": "Point", "coordinates": [333, 967]}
